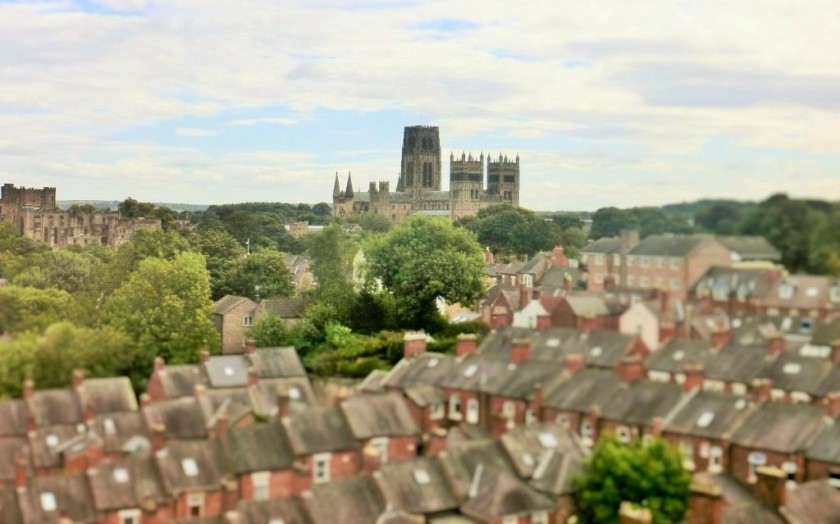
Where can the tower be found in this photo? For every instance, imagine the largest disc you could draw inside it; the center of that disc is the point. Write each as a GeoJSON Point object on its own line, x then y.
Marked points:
{"type": "Point", "coordinates": [466, 184]}
{"type": "Point", "coordinates": [503, 179]}
{"type": "Point", "coordinates": [420, 167]}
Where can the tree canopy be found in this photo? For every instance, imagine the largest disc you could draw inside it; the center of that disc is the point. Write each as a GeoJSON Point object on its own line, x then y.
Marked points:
{"type": "Point", "coordinates": [646, 473]}
{"type": "Point", "coordinates": [425, 258]}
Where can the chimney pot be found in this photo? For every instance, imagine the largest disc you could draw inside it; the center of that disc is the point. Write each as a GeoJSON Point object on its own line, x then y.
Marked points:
{"type": "Point", "coordinates": [770, 487]}
{"type": "Point", "coordinates": [414, 343]}
{"type": "Point", "coordinates": [250, 346]}
{"type": "Point", "coordinates": [28, 388]}
{"type": "Point", "coordinates": [160, 364]}
{"type": "Point", "coordinates": [574, 362]}
{"type": "Point", "coordinates": [521, 350]}
{"type": "Point", "coordinates": [78, 378]}
{"type": "Point", "coordinates": [467, 344]}
{"type": "Point", "coordinates": [205, 356]}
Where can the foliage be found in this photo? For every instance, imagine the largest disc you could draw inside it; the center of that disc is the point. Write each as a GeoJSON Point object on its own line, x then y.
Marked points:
{"type": "Point", "coordinates": [649, 474]}
{"type": "Point", "coordinates": [266, 269]}
{"type": "Point", "coordinates": [332, 252]}
{"type": "Point", "coordinates": [609, 221]}
{"type": "Point", "coordinates": [32, 309]}
{"type": "Point", "coordinates": [425, 258]}
{"type": "Point", "coordinates": [15, 249]}
{"type": "Point", "coordinates": [508, 230]}
{"type": "Point", "coordinates": [270, 331]}
{"type": "Point", "coordinates": [50, 359]}
{"type": "Point", "coordinates": [824, 255]}
{"type": "Point", "coordinates": [721, 218]}
{"type": "Point", "coordinates": [165, 308]}
{"type": "Point", "coordinates": [573, 241]}
{"type": "Point", "coordinates": [375, 223]}
{"type": "Point", "coordinates": [221, 251]}
{"type": "Point", "coordinates": [350, 355]}
{"type": "Point", "coordinates": [71, 271]}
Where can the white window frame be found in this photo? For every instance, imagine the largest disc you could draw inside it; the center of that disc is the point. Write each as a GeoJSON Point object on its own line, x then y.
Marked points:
{"type": "Point", "coordinates": [540, 517]}
{"type": "Point", "coordinates": [129, 516]}
{"type": "Point", "coordinates": [616, 260]}
{"type": "Point", "coordinates": [455, 408]}
{"type": "Point", "coordinates": [563, 420]}
{"type": "Point", "coordinates": [755, 459]}
{"type": "Point", "coordinates": [509, 409]}
{"type": "Point", "coordinates": [380, 444]}
{"type": "Point", "coordinates": [599, 260]}
{"type": "Point", "coordinates": [587, 432]}
{"type": "Point", "coordinates": [260, 481]}
{"type": "Point", "coordinates": [644, 262]}
{"type": "Point", "coordinates": [195, 500]}
{"type": "Point", "coordinates": [321, 467]}
{"type": "Point", "coordinates": [530, 417]}
{"type": "Point", "coordinates": [248, 320]}
{"type": "Point", "coordinates": [472, 411]}
{"type": "Point", "coordinates": [715, 459]}
{"type": "Point", "coordinates": [437, 411]}
{"type": "Point", "coordinates": [623, 434]}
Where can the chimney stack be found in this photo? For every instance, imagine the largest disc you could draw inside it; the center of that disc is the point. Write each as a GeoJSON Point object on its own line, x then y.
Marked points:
{"type": "Point", "coordinates": [537, 400]}
{"type": "Point", "coordinates": [543, 322]}
{"type": "Point", "coordinates": [21, 475]}
{"type": "Point", "coordinates": [776, 343]}
{"type": "Point", "coordinates": [831, 403]}
{"type": "Point", "coordinates": [253, 377]}
{"type": "Point", "coordinates": [574, 362]}
{"type": "Point", "coordinates": [488, 256]}
{"type": "Point", "coordinates": [414, 343]}
{"type": "Point", "coordinates": [467, 344]}
{"type": "Point", "coordinates": [559, 259]}
{"type": "Point", "coordinates": [760, 390]}
{"type": "Point", "coordinates": [629, 240]}
{"type": "Point", "coordinates": [250, 346]}
{"type": "Point", "coordinates": [694, 376]}
{"type": "Point", "coordinates": [78, 378]}
{"type": "Point", "coordinates": [631, 368]}
{"type": "Point", "coordinates": [284, 403]}
{"type": "Point", "coordinates": [630, 513]}
{"type": "Point", "coordinates": [520, 350]}
{"type": "Point", "coordinates": [28, 388]}
{"type": "Point", "coordinates": [205, 356]}
{"type": "Point", "coordinates": [220, 428]}
{"type": "Point", "coordinates": [524, 295]}
{"type": "Point", "coordinates": [770, 487]}
{"type": "Point", "coordinates": [160, 364]}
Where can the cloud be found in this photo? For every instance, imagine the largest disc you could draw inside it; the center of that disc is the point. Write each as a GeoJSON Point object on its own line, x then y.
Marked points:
{"type": "Point", "coordinates": [272, 121]}
{"type": "Point", "coordinates": [192, 132]}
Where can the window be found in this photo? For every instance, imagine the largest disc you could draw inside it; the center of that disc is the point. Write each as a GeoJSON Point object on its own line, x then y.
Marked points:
{"type": "Point", "coordinates": [436, 411]}
{"type": "Point", "coordinates": [623, 433]}
{"type": "Point", "coordinates": [530, 418]}
{"type": "Point", "coordinates": [754, 460]}
{"type": "Point", "coordinates": [380, 444]}
{"type": "Point", "coordinates": [599, 260]}
{"type": "Point", "coordinates": [455, 408]}
{"type": "Point", "coordinates": [616, 260]}
{"type": "Point", "coordinates": [675, 284]}
{"type": "Point", "coordinates": [687, 453]}
{"type": "Point", "coordinates": [715, 459]}
{"type": "Point", "coordinates": [563, 420]}
{"type": "Point", "coordinates": [675, 263]}
{"type": "Point", "coordinates": [508, 409]}
{"type": "Point", "coordinates": [540, 517]}
{"type": "Point", "coordinates": [644, 262]}
{"type": "Point", "coordinates": [630, 261]}
{"type": "Point", "coordinates": [790, 468]}
{"type": "Point", "coordinates": [195, 504]}
{"type": "Point", "coordinates": [586, 433]}
{"type": "Point", "coordinates": [472, 411]}
{"type": "Point", "coordinates": [260, 481]}
{"type": "Point", "coordinates": [321, 467]}
{"type": "Point", "coordinates": [129, 516]}
{"type": "Point", "coordinates": [247, 320]}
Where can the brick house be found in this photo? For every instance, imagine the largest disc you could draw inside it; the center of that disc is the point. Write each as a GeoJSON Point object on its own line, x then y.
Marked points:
{"type": "Point", "coordinates": [801, 296]}
{"type": "Point", "coordinates": [232, 316]}
{"type": "Point", "coordinates": [129, 490]}
{"type": "Point", "coordinates": [822, 459]}
{"type": "Point", "coordinates": [639, 409]}
{"type": "Point", "coordinates": [262, 460]}
{"type": "Point", "coordinates": [417, 486]}
{"type": "Point", "coordinates": [737, 291]}
{"type": "Point", "coordinates": [383, 426]}
{"type": "Point", "coordinates": [196, 478]}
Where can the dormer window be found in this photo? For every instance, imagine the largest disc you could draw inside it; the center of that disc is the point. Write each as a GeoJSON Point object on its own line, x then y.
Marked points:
{"type": "Point", "coordinates": [834, 294]}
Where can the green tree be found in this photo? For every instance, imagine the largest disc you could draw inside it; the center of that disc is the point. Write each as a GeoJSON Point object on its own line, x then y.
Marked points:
{"type": "Point", "coordinates": [64, 269]}
{"type": "Point", "coordinates": [425, 258]}
{"type": "Point", "coordinates": [322, 209]}
{"type": "Point", "coordinates": [266, 269]}
{"type": "Point", "coordinates": [573, 240]}
{"type": "Point", "coordinates": [507, 230]}
{"type": "Point", "coordinates": [647, 473]}
{"type": "Point", "coordinates": [144, 244]}
{"type": "Point", "coordinates": [565, 220]}
{"type": "Point", "coordinates": [332, 252]}
{"type": "Point", "coordinates": [375, 223]}
{"type": "Point", "coordinates": [165, 308]}
{"type": "Point", "coordinates": [15, 249]}
{"type": "Point", "coordinates": [32, 309]}
{"type": "Point", "coordinates": [824, 255]}
{"type": "Point", "coordinates": [609, 221]}
{"type": "Point", "coordinates": [270, 331]}
{"type": "Point", "coordinates": [721, 218]}
{"type": "Point", "coordinates": [221, 251]}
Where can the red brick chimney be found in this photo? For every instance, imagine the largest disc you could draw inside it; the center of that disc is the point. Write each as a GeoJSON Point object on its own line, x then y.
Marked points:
{"type": "Point", "coordinates": [609, 282]}
{"type": "Point", "coordinates": [222, 424]}
{"type": "Point", "coordinates": [537, 400]}
{"type": "Point", "coordinates": [160, 364]}
{"type": "Point", "coordinates": [205, 356]}
{"type": "Point", "coordinates": [250, 346]}
{"type": "Point", "coordinates": [520, 350]}
{"type": "Point", "coordinates": [776, 343]}
{"type": "Point", "coordinates": [543, 322]}
{"type": "Point", "coordinates": [28, 388]}
{"type": "Point", "coordinates": [761, 389]}
{"type": "Point", "coordinates": [631, 368]}
{"type": "Point", "coordinates": [656, 426]}
{"type": "Point", "coordinates": [284, 403]}
{"type": "Point", "coordinates": [414, 343]}
{"type": "Point", "coordinates": [770, 487]}
{"type": "Point", "coordinates": [586, 322]}
{"type": "Point", "coordinates": [145, 400]}
{"type": "Point", "coordinates": [90, 412]}
{"type": "Point", "coordinates": [705, 503]}
{"type": "Point", "coordinates": [720, 337]}
{"type": "Point", "coordinates": [158, 435]}
{"type": "Point", "coordinates": [835, 352]}
{"type": "Point", "coordinates": [488, 256]}
{"type": "Point", "coordinates": [560, 259]}
{"type": "Point", "coordinates": [776, 273]}
{"type": "Point", "coordinates": [253, 377]}
{"type": "Point", "coordinates": [467, 344]}
{"type": "Point", "coordinates": [21, 476]}
{"type": "Point", "coordinates": [78, 378]}
{"type": "Point", "coordinates": [694, 376]}
{"type": "Point", "coordinates": [574, 362]}
{"type": "Point", "coordinates": [831, 403]}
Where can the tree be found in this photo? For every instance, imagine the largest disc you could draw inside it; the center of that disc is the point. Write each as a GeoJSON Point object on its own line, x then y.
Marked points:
{"type": "Point", "coordinates": [221, 251]}
{"type": "Point", "coordinates": [375, 223]}
{"type": "Point", "coordinates": [332, 251]}
{"type": "Point", "coordinates": [721, 218]}
{"type": "Point", "coordinates": [647, 473]}
{"type": "Point", "coordinates": [573, 240]}
{"type": "Point", "coordinates": [609, 221]}
{"type": "Point", "coordinates": [15, 250]}
{"type": "Point", "coordinates": [514, 231]}
{"type": "Point", "coordinates": [64, 269]}
{"type": "Point", "coordinates": [565, 220]}
{"type": "Point", "coordinates": [144, 244]}
{"type": "Point", "coordinates": [270, 331]}
{"type": "Point", "coordinates": [425, 258]}
{"type": "Point", "coordinates": [824, 256]}
{"type": "Point", "coordinates": [266, 269]}
{"type": "Point", "coordinates": [322, 209]}
{"type": "Point", "coordinates": [165, 308]}
{"type": "Point", "coordinates": [31, 309]}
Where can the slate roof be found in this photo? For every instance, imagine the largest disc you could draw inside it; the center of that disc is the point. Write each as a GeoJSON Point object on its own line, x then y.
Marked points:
{"type": "Point", "coordinates": [9, 450]}
{"type": "Point", "coordinates": [258, 447]}
{"type": "Point", "coordinates": [125, 483]}
{"type": "Point", "coordinates": [583, 305]}
{"type": "Point", "coordinates": [517, 381]}
{"type": "Point", "coordinates": [808, 292]}
{"type": "Point", "coordinates": [532, 448]}
{"type": "Point", "coordinates": [108, 395]}
{"type": "Point", "coordinates": [226, 303]}
{"type": "Point", "coordinates": [290, 510]}
{"type": "Point", "coordinates": [827, 333]}
{"type": "Point", "coordinates": [815, 502]}
{"type": "Point", "coordinates": [45, 442]}
{"type": "Point", "coordinates": [426, 368]}
{"type": "Point", "coordinates": [284, 307]}
{"type": "Point", "coordinates": [379, 415]}
{"type": "Point", "coordinates": [225, 371]}
{"type": "Point", "coordinates": [790, 372]}
{"type": "Point", "coordinates": [374, 382]}
{"type": "Point", "coordinates": [673, 357]}
{"type": "Point", "coordinates": [9, 508]}
{"type": "Point", "coordinates": [739, 364]}
{"type": "Point", "coordinates": [583, 391]}
{"type": "Point", "coordinates": [425, 395]}
{"type": "Point", "coordinates": [180, 380]}
{"type": "Point", "coordinates": [642, 401]}
{"type": "Point", "coordinates": [319, 429]}
{"type": "Point", "coordinates": [668, 245]}
{"type": "Point", "coordinates": [460, 460]}
{"type": "Point", "coordinates": [354, 501]}
{"type": "Point", "coordinates": [724, 282]}
{"type": "Point", "coordinates": [182, 418]}
{"type": "Point", "coordinates": [473, 373]}
{"type": "Point", "coordinates": [750, 248]}
{"type": "Point", "coordinates": [500, 494]}
{"type": "Point", "coordinates": [191, 465]}
{"type": "Point", "coordinates": [510, 292]}
{"type": "Point", "coordinates": [116, 430]}
{"type": "Point", "coordinates": [741, 506]}
{"type": "Point", "coordinates": [55, 406]}
{"type": "Point", "coordinates": [709, 414]}
{"type": "Point", "coordinates": [417, 485]}
{"type": "Point", "coordinates": [277, 363]}
{"type": "Point", "coordinates": [72, 496]}
{"type": "Point", "coordinates": [13, 418]}
{"type": "Point", "coordinates": [782, 427]}
{"type": "Point", "coordinates": [603, 245]}
{"type": "Point", "coordinates": [825, 447]}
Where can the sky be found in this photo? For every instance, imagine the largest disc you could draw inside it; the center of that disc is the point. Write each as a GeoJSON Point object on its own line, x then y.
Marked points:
{"type": "Point", "coordinates": [607, 102]}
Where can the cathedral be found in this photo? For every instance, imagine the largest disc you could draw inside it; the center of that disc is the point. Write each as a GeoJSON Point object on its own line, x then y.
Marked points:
{"type": "Point", "coordinates": [419, 190]}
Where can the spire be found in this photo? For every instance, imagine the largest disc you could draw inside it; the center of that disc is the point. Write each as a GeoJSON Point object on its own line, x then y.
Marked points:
{"type": "Point", "coordinates": [349, 191]}
{"type": "Point", "coordinates": [336, 189]}
{"type": "Point", "coordinates": [400, 187]}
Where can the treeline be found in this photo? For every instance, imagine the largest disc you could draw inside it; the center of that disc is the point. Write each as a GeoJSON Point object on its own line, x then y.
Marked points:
{"type": "Point", "coordinates": [807, 232]}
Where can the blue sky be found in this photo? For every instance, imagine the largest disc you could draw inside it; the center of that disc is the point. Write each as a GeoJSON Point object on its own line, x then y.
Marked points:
{"type": "Point", "coordinates": [606, 102]}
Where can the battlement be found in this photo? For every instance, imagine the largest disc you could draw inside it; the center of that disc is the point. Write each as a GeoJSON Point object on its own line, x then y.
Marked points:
{"type": "Point", "coordinates": [503, 159]}
{"type": "Point", "coordinates": [466, 159]}
{"type": "Point", "coordinates": [40, 198]}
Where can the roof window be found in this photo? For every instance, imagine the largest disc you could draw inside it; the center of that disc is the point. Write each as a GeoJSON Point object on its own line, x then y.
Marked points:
{"type": "Point", "coordinates": [52, 440]}
{"type": "Point", "coordinates": [527, 459]}
{"type": "Point", "coordinates": [812, 292]}
{"type": "Point", "coordinates": [547, 440]}
{"type": "Point", "coordinates": [433, 362]}
{"type": "Point", "coordinates": [121, 475]}
{"type": "Point", "coordinates": [678, 355]}
{"type": "Point", "coordinates": [110, 427]}
{"type": "Point", "coordinates": [228, 371]}
{"type": "Point", "coordinates": [705, 419]}
{"type": "Point", "coordinates": [471, 370]}
{"type": "Point", "coordinates": [421, 476]}
{"type": "Point", "coordinates": [596, 351]}
{"type": "Point", "coordinates": [48, 501]}
{"type": "Point", "coordinates": [553, 342]}
{"type": "Point", "coordinates": [190, 467]}
{"type": "Point", "coordinates": [294, 393]}
{"type": "Point", "coordinates": [792, 368]}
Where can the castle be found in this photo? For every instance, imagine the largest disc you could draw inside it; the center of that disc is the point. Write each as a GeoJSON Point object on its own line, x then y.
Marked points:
{"type": "Point", "coordinates": [418, 188]}
{"type": "Point", "coordinates": [36, 216]}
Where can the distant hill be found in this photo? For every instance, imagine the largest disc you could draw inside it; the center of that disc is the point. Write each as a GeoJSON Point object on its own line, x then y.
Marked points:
{"type": "Point", "coordinates": [112, 204]}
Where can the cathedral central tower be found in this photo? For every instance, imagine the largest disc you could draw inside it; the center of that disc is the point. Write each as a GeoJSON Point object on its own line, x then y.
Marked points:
{"type": "Point", "coordinates": [420, 168]}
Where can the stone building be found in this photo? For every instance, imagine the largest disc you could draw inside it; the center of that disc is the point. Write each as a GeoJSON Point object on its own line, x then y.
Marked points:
{"type": "Point", "coordinates": [419, 190]}
{"type": "Point", "coordinates": [35, 215]}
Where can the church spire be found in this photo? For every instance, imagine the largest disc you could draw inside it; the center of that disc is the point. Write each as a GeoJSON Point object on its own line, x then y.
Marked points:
{"type": "Point", "coordinates": [400, 187]}
{"type": "Point", "coordinates": [336, 188]}
{"type": "Point", "coordinates": [348, 193]}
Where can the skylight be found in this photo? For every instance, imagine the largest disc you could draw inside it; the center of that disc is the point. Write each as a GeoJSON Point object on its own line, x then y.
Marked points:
{"type": "Point", "coordinates": [421, 476]}
{"type": "Point", "coordinates": [52, 440]}
{"type": "Point", "coordinates": [110, 427]}
{"type": "Point", "coordinates": [553, 342]}
{"type": "Point", "coordinates": [679, 355]}
{"type": "Point", "coordinates": [121, 475]}
{"type": "Point", "coordinates": [228, 371]}
{"type": "Point", "coordinates": [596, 351]}
{"type": "Point", "coordinates": [812, 292]}
{"type": "Point", "coordinates": [471, 370]}
{"type": "Point", "coordinates": [705, 419]}
{"type": "Point", "coordinates": [48, 501]}
{"type": "Point", "coordinates": [190, 467]}
{"type": "Point", "coordinates": [792, 368]}
{"type": "Point", "coordinates": [547, 440]}
{"type": "Point", "coordinates": [294, 393]}
{"type": "Point", "coordinates": [432, 362]}
{"type": "Point", "coordinates": [527, 459]}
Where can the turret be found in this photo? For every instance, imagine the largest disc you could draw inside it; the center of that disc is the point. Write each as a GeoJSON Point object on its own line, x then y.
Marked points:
{"type": "Point", "coordinates": [336, 187]}
{"type": "Point", "coordinates": [348, 192]}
